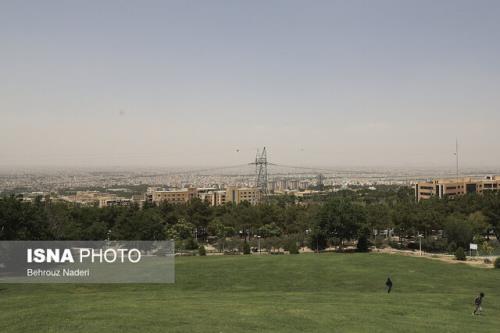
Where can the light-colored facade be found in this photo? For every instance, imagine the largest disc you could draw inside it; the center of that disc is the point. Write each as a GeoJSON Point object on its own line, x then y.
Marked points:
{"type": "Point", "coordinates": [238, 195]}
{"type": "Point", "coordinates": [281, 184]}
{"type": "Point", "coordinates": [174, 196]}
{"type": "Point", "coordinates": [114, 201]}
{"type": "Point", "coordinates": [304, 184]}
{"type": "Point", "coordinates": [212, 196]}
{"type": "Point", "coordinates": [86, 197]}
{"type": "Point", "coordinates": [455, 187]}
{"type": "Point", "coordinates": [293, 184]}
{"type": "Point", "coordinates": [91, 198]}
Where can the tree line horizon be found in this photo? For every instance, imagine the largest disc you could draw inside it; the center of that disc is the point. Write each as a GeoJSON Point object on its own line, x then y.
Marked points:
{"type": "Point", "coordinates": [341, 218]}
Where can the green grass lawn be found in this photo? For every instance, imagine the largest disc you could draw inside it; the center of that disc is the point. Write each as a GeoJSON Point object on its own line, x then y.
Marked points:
{"type": "Point", "coordinates": [301, 293]}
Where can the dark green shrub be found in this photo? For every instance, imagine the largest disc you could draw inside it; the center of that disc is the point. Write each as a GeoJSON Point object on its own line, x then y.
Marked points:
{"type": "Point", "coordinates": [246, 248]}
{"type": "Point", "coordinates": [396, 245]}
{"type": "Point", "coordinates": [452, 247]}
{"type": "Point", "coordinates": [202, 251]}
{"type": "Point", "coordinates": [460, 254]}
{"type": "Point", "coordinates": [413, 246]}
{"type": "Point", "coordinates": [190, 244]}
{"type": "Point", "coordinates": [293, 248]}
{"type": "Point", "coordinates": [497, 262]}
{"type": "Point", "coordinates": [362, 245]}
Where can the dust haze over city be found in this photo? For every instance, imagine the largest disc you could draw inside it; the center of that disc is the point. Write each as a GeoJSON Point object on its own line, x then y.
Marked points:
{"type": "Point", "coordinates": [283, 166]}
{"type": "Point", "coordinates": [384, 86]}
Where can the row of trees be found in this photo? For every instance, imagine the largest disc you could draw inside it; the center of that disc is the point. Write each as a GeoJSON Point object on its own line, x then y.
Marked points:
{"type": "Point", "coordinates": [342, 216]}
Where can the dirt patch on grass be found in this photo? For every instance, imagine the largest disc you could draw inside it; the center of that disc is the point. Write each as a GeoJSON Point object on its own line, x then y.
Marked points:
{"type": "Point", "coordinates": [473, 261]}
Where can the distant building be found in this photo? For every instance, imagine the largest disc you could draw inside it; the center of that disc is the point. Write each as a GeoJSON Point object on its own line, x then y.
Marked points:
{"type": "Point", "coordinates": [149, 193]}
{"type": "Point", "coordinates": [114, 201]}
{"type": "Point", "coordinates": [455, 187]}
{"type": "Point", "coordinates": [285, 184]}
{"type": "Point", "coordinates": [271, 185]}
{"type": "Point", "coordinates": [174, 196]}
{"type": "Point", "coordinates": [293, 184]}
{"type": "Point", "coordinates": [86, 197]}
{"type": "Point", "coordinates": [309, 193]}
{"type": "Point", "coordinates": [237, 195]}
{"type": "Point", "coordinates": [212, 196]}
{"type": "Point", "coordinates": [32, 196]}
{"type": "Point", "coordinates": [218, 198]}
{"type": "Point", "coordinates": [90, 198]}
{"type": "Point", "coordinates": [281, 184]}
{"type": "Point", "coordinates": [207, 194]}
{"type": "Point", "coordinates": [304, 184]}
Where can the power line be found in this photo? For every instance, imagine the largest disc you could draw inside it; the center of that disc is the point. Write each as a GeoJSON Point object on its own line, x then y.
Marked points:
{"type": "Point", "coordinates": [198, 170]}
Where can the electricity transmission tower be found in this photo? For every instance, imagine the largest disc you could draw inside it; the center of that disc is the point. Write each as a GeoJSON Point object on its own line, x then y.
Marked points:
{"type": "Point", "coordinates": [261, 171]}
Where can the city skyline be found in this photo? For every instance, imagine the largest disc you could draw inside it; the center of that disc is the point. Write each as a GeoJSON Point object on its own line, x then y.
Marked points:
{"type": "Point", "coordinates": [186, 83]}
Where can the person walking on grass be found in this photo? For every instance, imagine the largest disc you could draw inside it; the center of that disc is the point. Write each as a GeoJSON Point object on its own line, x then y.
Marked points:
{"type": "Point", "coordinates": [388, 284]}
{"type": "Point", "coordinates": [477, 303]}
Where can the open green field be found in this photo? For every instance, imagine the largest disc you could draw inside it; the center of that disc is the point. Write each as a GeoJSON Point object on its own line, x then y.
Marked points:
{"type": "Point", "coordinates": [302, 293]}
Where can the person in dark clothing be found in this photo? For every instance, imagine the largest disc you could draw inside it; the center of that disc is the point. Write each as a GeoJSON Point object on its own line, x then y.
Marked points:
{"type": "Point", "coordinates": [388, 284]}
{"type": "Point", "coordinates": [477, 303]}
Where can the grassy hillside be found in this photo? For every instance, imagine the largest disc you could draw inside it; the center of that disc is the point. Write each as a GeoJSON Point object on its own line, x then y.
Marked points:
{"type": "Point", "coordinates": [303, 293]}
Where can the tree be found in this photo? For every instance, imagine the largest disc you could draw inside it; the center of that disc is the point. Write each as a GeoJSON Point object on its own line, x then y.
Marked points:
{"type": "Point", "coordinates": [405, 217]}
{"type": "Point", "coordinates": [479, 223]}
{"type": "Point", "coordinates": [217, 228]}
{"type": "Point", "coordinates": [180, 230]}
{"type": "Point", "coordinates": [338, 217]}
{"type": "Point", "coordinates": [23, 221]}
{"type": "Point", "coordinates": [135, 224]}
{"type": "Point", "coordinates": [486, 248]}
{"type": "Point", "coordinates": [316, 239]}
{"type": "Point", "coordinates": [429, 216]}
{"type": "Point", "coordinates": [199, 214]}
{"type": "Point", "coordinates": [269, 230]}
{"type": "Point", "coordinates": [342, 219]}
{"type": "Point", "coordinates": [246, 248]}
{"type": "Point", "coordinates": [378, 217]}
{"type": "Point", "coordinates": [458, 230]}
{"type": "Point", "coordinates": [491, 210]}
{"type": "Point", "coordinates": [202, 251]}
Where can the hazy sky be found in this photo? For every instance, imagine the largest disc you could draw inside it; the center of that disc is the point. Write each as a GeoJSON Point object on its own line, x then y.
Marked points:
{"type": "Point", "coordinates": [337, 83]}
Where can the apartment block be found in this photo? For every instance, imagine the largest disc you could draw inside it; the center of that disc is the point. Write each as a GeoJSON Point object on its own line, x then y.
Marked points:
{"type": "Point", "coordinates": [237, 195]}
{"type": "Point", "coordinates": [212, 196]}
{"type": "Point", "coordinates": [172, 196]}
{"type": "Point", "coordinates": [114, 201]}
{"type": "Point", "coordinates": [455, 187]}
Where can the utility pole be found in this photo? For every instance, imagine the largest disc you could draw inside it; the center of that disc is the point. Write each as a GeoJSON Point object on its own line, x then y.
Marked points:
{"type": "Point", "coordinates": [456, 154]}
{"type": "Point", "coordinates": [420, 243]}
